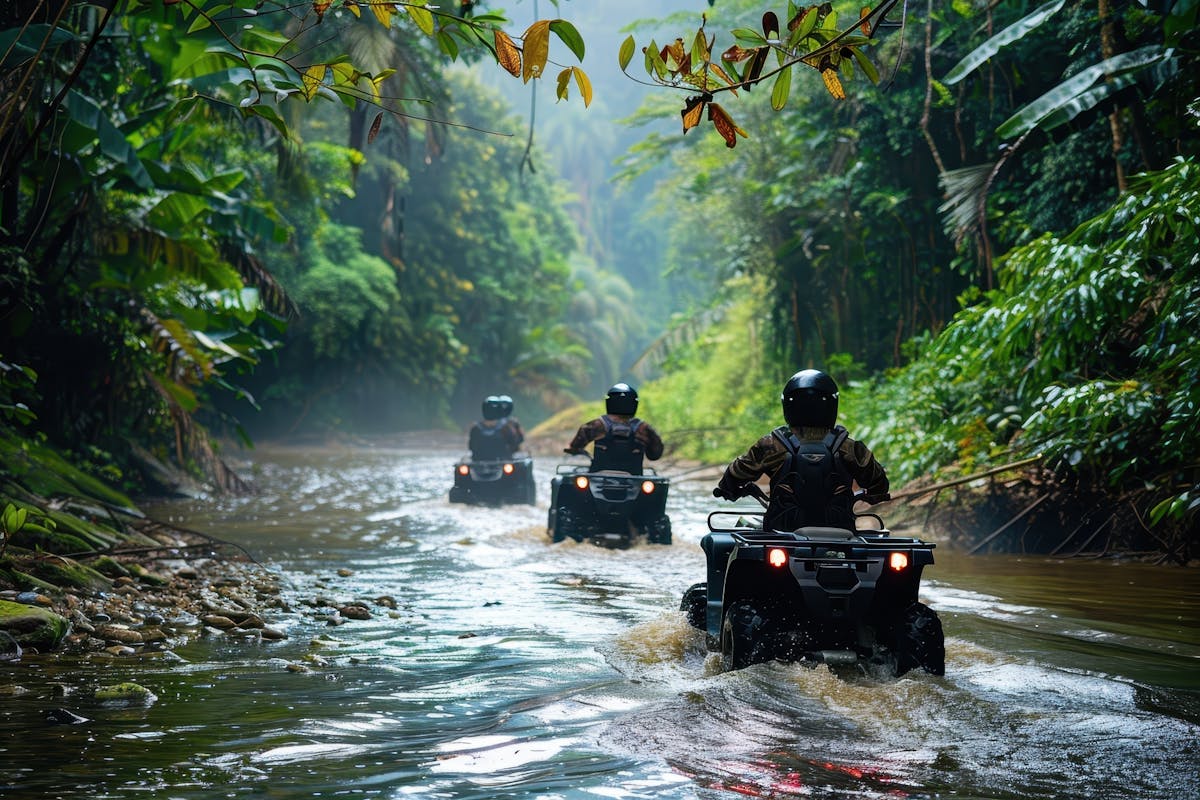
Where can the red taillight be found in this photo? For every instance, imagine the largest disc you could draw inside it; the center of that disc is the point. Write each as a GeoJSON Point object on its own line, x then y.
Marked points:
{"type": "Point", "coordinates": [898, 561]}
{"type": "Point", "coordinates": [581, 482]}
{"type": "Point", "coordinates": [776, 557]}
{"type": "Point", "coordinates": [508, 469]}
{"type": "Point", "coordinates": [647, 487]}
{"type": "Point", "coordinates": [463, 469]}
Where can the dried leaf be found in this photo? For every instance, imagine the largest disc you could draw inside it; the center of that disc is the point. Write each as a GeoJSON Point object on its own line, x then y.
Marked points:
{"type": "Point", "coordinates": [736, 53]}
{"type": "Point", "coordinates": [693, 111]}
{"type": "Point", "coordinates": [770, 25]}
{"type": "Point", "coordinates": [833, 84]}
{"type": "Point", "coordinates": [865, 23]}
{"type": "Point", "coordinates": [507, 53]}
{"type": "Point", "coordinates": [321, 6]}
{"type": "Point", "coordinates": [724, 124]}
{"type": "Point", "coordinates": [375, 126]}
{"type": "Point", "coordinates": [537, 49]}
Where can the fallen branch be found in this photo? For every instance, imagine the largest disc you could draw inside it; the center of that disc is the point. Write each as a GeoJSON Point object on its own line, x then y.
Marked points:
{"type": "Point", "coordinates": [964, 479]}
{"type": "Point", "coordinates": [1008, 524]}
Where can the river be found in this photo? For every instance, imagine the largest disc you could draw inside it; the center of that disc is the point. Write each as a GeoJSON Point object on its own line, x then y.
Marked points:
{"type": "Point", "coordinates": [513, 668]}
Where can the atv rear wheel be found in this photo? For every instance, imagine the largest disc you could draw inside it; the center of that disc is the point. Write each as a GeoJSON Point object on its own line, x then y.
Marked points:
{"type": "Point", "coordinates": [695, 605]}
{"type": "Point", "coordinates": [920, 641]}
{"type": "Point", "coordinates": [744, 636]}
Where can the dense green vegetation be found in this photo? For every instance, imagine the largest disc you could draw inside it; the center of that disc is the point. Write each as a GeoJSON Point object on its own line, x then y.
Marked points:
{"type": "Point", "coordinates": [993, 247]}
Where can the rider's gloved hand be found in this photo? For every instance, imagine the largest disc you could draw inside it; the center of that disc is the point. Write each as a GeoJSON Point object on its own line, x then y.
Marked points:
{"type": "Point", "coordinates": [721, 491]}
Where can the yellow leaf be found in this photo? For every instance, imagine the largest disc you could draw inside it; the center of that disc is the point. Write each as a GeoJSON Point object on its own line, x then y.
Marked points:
{"type": "Point", "coordinates": [422, 17]}
{"type": "Point", "coordinates": [584, 84]}
{"type": "Point", "coordinates": [321, 6]}
{"type": "Point", "coordinates": [311, 80]}
{"type": "Point", "coordinates": [537, 49]}
{"type": "Point", "coordinates": [832, 83]}
{"type": "Point", "coordinates": [383, 11]}
{"type": "Point", "coordinates": [564, 79]}
{"type": "Point", "coordinates": [507, 53]}
{"type": "Point", "coordinates": [865, 24]}
{"type": "Point", "coordinates": [353, 8]}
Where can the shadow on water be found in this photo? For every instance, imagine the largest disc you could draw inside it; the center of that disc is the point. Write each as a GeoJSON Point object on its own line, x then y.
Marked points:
{"type": "Point", "coordinates": [503, 666]}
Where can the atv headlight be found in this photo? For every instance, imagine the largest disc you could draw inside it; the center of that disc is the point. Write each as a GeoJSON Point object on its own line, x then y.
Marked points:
{"type": "Point", "coordinates": [777, 557]}
{"type": "Point", "coordinates": [581, 482]}
{"type": "Point", "coordinates": [508, 469]}
{"type": "Point", "coordinates": [898, 561]}
{"type": "Point", "coordinates": [463, 469]}
{"type": "Point", "coordinates": [647, 487]}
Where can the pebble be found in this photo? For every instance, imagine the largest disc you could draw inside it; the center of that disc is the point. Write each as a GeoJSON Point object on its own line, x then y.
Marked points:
{"type": "Point", "coordinates": [354, 612]}
{"type": "Point", "coordinates": [34, 599]}
{"type": "Point", "coordinates": [115, 633]}
{"type": "Point", "coordinates": [218, 621]}
{"type": "Point", "coordinates": [120, 650]}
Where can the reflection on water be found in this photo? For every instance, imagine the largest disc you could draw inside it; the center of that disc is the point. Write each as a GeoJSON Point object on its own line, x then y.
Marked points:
{"type": "Point", "coordinates": [497, 665]}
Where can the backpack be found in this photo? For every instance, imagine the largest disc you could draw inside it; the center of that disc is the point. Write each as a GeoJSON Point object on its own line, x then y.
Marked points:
{"type": "Point", "coordinates": [812, 486]}
{"type": "Point", "coordinates": [619, 448]}
{"type": "Point", "coordinates": [490, 443]}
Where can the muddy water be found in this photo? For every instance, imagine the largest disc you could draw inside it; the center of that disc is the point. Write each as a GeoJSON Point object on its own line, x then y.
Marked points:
{"type": "Point", "coordinates": [513, 668]}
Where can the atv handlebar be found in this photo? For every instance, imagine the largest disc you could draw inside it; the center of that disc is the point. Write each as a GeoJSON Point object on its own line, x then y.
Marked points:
{"type": "Point", "coordinates": [755, 491]}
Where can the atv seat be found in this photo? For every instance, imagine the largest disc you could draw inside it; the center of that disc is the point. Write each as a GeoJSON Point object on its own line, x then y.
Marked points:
{"type": "Point", "coordinates": [815, 532]}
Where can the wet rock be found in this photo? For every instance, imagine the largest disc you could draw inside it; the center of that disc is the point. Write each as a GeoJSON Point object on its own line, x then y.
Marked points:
{"type": "Point", "coordinates": [116, 633]}
{"type": "Point", "coordinates": [63, 716]}
{"type": "Point", "coordinates": [120, 650]}
{"type": "Point", "coordinates": [101, 618]}
{"type": "Point", "coordinates": [251, 621]}
{"type": "Point", "coordinates": [345, 573]}
{"type": "Point", "coordinates": [297, 668]}
{"type": "Point", "coordinates": [272, 634]}
{"type": "Point", "coordinates": [354, 612]}
{"type": "Point", "coordinates": [218, 621]}
{"type": "Point", "coordinates": [34, 599]}
{"type": "Point", "coordinates": [125, 693]}
{"type": "Point", "coordinates": [187, 573]}
{"type": "Point", "coordinates": [386, 600]}
{"type": "Point", "coordinates": [154, 619]}
{"type": "Point", "coordinates": [32, 626]}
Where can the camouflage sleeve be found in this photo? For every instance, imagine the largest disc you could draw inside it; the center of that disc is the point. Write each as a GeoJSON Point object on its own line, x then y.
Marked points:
{"type": "Point", "coordinates": [650, 440]}
{"type": "Point", "coordinates": [514, 433]}
{"type": "Point", "coordinates": [750, 466]}
{"type": "Point", "coordinates": [866, 470]}
{"type": "Point", "coordinates": [586, 434]}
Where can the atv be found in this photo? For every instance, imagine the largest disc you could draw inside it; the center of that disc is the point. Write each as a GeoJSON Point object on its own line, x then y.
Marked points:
{"type": "Point", "coordinates": [494, 482]}
{"type": "Point", "coordinates": [608, 508]}
{"type": "Point", "coordinates": [816, 594]}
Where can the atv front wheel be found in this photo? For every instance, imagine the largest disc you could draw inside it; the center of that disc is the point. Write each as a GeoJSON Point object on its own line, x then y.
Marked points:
{"type": "Point", "coordinates": [744, 637]}
{"type": "Point", "coordinates": [658, 531]}
{"type": "Point", "coordinates": [920, 641]}
{"type": "Point", "coordinates": [695, 605]}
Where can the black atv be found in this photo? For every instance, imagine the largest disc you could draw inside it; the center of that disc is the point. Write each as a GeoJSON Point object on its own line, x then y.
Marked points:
{"type": "Point", "coordinates": [608, 508]}
{"type": "Point", "coordinates": [494, 482]}
{"type": "Point", "coordinates": [815, 594]}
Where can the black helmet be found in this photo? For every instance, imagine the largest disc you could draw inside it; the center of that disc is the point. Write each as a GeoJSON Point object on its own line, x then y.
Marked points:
{"type": "Point", "coordinates": [493, 408]}
{"type": "Point", "coordinates": [622, 399]}
{"type": "Point", "coordinates": [507, 402]}
{"type": "Point", "coordinates": [810, 400]}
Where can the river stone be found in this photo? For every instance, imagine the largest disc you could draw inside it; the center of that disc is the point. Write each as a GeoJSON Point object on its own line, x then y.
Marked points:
{"type": "Point", "coordinates": [115, 633]}
{"type": "Point", "coordinates": [125, 693]}
{"type": "Point", "coordinates": [63, 716]}
{"type": "Point", "coordinates": [119, 650]}
{"type": "Point", "coordinates": [354, 612]}
{"type": "Point", "coordinates": [31, 626]}
{"type": "Point", "coordinates": [218, 621]}
{"type": "Point", "coordinates": [273, 634]}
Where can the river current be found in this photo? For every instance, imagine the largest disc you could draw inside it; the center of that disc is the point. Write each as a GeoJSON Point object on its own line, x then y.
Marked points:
{"type": "Point", "coordinates": [514, 668]}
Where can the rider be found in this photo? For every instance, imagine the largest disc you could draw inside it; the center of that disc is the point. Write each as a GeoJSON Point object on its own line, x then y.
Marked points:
{"type": "Point", "coordinates": [813, 463]}
{"type": "Point", "coordinates": [497, 435]}
{"type": "Point", "coordinates": [621, 439]}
